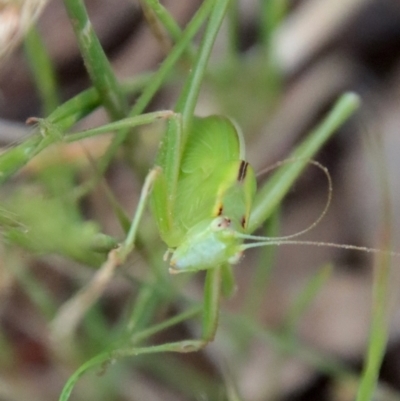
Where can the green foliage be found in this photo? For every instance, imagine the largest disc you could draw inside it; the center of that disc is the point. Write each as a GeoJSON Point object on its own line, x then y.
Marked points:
{"type": "Point", "coordinates": [49, 226]}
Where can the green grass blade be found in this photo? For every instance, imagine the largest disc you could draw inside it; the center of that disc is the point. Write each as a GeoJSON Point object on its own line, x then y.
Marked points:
{"type": "Point", "coordinates": [165, 18]}
{"type": "Point", "coordinates": [108, 357]}
{"type": "Point", "coordinates": [190, 92]}
{"type": "Point", "coordinates": [379, 329]}
{"type": "Point", "coordinates": [96, 62]}
{"type": "Point", "coordinates": [272, 13]}
{"type": "Point", "coordinates": [42, 70]}
{"type": "Point", "coordinates": [75, 108]}
{"type": "Point", "coordinates": [125, 123]}
{"type": "Point", "coordinates": [272, 193]}
{"type": "Point", "coordinates": [181, 317]}
{"type": "Point", "coordinates": [15, 158]}
{"type": "Point", "coordinates": [259, 282]}
{"type": "Point", "coordinates": [85, 102]}
{"type": "Point", "coordinates": [35, 289]}
{"type": "Point", "coordinates": [305, 298]}
{"type": "Point", "coordinates": [233, 32]}
{"type": "Point", "coordinates": [378, 333]}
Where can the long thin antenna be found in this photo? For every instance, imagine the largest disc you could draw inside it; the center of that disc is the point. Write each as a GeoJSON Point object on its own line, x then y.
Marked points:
{"type": "Point", "coordinates": [318, 243]}
{"type": "Point", "coordinates": [317, 221]}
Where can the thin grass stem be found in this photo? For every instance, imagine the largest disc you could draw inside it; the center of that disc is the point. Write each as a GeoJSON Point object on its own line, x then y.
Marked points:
{"type": "Point", "coordinates": [42, 70]}
{"type": "Point", "coordinates": [190, 92]}
{"type": "Point", "coordinates": [96, 62]}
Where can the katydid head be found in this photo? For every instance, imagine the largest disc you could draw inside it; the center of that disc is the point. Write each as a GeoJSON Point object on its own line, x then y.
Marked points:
{"type": "Point", "coordinates": [208, 244]}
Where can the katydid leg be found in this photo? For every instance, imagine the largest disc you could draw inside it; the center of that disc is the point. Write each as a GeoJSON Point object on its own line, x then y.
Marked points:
{"type": "Point", "coordinates": [211, 305]}
{"type": "Point", "coordinates": [212, 296]}
{"type": "Point", "coordinates": [129, 242]}
{"type": "Point", "coordinates": [228, 282]}
{"type": "Point", "coordinates": [165, 187]}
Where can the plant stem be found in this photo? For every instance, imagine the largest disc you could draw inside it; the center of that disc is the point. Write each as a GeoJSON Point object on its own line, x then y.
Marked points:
{"type": "Point", "coordinates": [96, 62]}
{"type": "Point", "coordinates": [42, 70]}
{"type": "Point", "coordinates": [272, 193]}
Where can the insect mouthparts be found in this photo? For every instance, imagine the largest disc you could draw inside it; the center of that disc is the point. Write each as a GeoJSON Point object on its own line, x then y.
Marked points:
{"type": "Point", "coordinates": [171, 270]}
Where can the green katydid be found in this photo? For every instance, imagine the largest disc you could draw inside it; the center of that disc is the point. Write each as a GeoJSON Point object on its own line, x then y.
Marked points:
{"type": "Point", "coordinates": [198, 215]}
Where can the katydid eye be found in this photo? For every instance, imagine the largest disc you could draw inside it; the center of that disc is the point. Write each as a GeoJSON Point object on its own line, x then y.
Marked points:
{"type": "Point", "coordinates": [220, 223]}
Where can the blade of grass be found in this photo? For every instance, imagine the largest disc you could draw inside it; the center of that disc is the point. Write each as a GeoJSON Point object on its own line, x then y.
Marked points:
{"type": "Point", "coordinates": [233, 32]}
{"type": "Point", "coordinates": [108, 357]}
{"type": "Point", "coordinates": [181, 317]}
{"type": "Point", "coordinates": [15, 158]}
{"type": "Point", "coordinates": [142, 119]}
{"type": "Point", "coordinates": [190, 92]}
{"type": "Point", "coordinates": [305, 298]}
{"type": "Point", "coordinates": [144, 308]}
{"type": "Point", "coordinates": [272, 193]}
{"type": "Point", "coordinates": [165, 18]}
{"type": "Point", "coordinates": [271, 14]}
{"type": "Point", "coordinates": [42, 70]}
{"type": "Point", "coordinates": [378, 333]}
{"type": "Point", "coordinates": [85, 102]}
{"type": "Point", "coordinates": [35, 289]}
{"type": "Point", "coordinates": [379, 327]}
{"type": "Point", "coordinates": [156, 27]}
{"type": "Point", "coordinates": [259, 281]}
{"type": "Point", "coordinates": [169, 24]}
{"type": "Point", "coordinates": [96, 62]}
